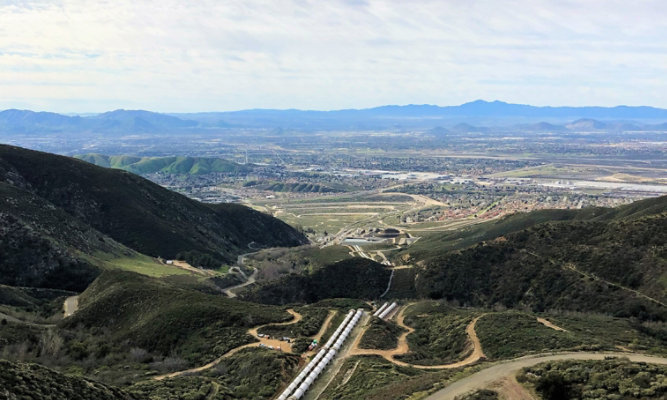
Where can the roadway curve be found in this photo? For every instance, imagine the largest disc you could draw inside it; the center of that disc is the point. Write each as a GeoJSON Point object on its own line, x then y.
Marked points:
{"type": "Point", "coordinates": [509, 369]}
{"type": "Point", "coordinates": [476, 355]}
{"type": "Point", "coordinates": [230, 290]}
{"type": "Point", "coordinates": [253, 332]}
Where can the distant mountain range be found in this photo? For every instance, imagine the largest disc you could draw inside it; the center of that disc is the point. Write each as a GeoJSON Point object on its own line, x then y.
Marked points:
{"type": "Point", "coordinates": [495, 113]}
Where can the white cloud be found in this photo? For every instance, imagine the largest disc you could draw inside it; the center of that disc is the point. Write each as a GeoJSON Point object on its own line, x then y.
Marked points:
{"type": "Point", "coordinates": [81, 55]}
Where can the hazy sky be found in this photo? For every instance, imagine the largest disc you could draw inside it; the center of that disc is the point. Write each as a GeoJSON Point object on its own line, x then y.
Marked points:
{"type": "Point", "coordinates": [200, 55]}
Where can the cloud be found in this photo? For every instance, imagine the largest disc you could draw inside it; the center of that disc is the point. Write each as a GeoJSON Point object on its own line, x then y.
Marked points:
{"type": "Point", "coordinates": [76, 55]}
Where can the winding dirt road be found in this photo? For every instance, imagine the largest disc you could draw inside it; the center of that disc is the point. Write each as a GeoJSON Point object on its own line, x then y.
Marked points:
{"type": "Point", "coordinates": [509, 369]}
{"type": "Point", "coordinates": [476, 355]}
{"type": "Point", "coordinates": [230, 290]}
{"type": "Point", "coordinates": [253, 331]}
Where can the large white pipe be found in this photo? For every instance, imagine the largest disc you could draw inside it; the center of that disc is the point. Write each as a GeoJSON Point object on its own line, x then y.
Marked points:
{"type": "Point", "coordinates": [333, 337]}
{"type": "Point", "coordinates": [388, 310]}
{"type": "Point", "coordinates": [379, 310]}
{"type": "Point", "coordinates": [304, 373]}
{"type": "Point", "coordinates": [325, 355]}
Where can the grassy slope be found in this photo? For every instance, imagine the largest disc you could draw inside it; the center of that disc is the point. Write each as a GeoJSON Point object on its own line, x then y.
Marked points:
{"type": "Point", "coordinates": [162, 318]}
{"type": "Point", "coordinates": [138, 213]}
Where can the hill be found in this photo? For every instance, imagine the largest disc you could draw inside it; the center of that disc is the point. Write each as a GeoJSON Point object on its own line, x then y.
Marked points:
{"type": "Point", "coordinates": [358, 278]}
{"type": "Point", "coordinates": [132, 211]}
{"type": "Point", "coordinates": [170, 165]}
{"type": "Point", "coordinates": [33, 381]}
{"type": "Point", "coordinates": [164, 318]}
{"type": "Point", "coordinates": [603, 260]}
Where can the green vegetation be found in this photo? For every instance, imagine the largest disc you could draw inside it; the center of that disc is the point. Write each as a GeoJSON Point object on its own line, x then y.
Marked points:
{"type": "Point", "coordinates": [141, 215]}
{"type": "Point", "coordinates": [373, 378]}
{"type": "Point", "coordinates": [608, 379]}
{"type": "Point", "coordinates": [381, 335]}
{"type": "Point", "coordinates": [610, 332]}
{"type": "Point", "coordinates": [133, 310]}
{"type": "Point", "coordinates": [295, 187]}
{"type": "Point", "coordinates": [34, 382]}
{"type": "Point", "coordinates": [273, 263]}
{"type": "Point", "coordinates": [440, 333]}
{"type": "Point", "coordinates": [352, 278]}
{"type": "Point", "coordinates": [310, 324]}
{"type": "Point", "coordinates": [170, 165]}
{"type": "Point", "coordinates": [248, 374]}
{"type": "Point", "coordinates": [403, 284]}
{"type": "Point", "coordinates": [606, 263]}
{"type": "Point", "coordinates": [40, 302]}
{"type": "Point", "coordinates": [511, 334]}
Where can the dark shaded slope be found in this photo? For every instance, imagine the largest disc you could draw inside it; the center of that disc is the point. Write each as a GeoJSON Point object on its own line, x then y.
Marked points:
{"type": "Point", "coordinates": [42, 245]}
{"type": "Point", "coordinates": [139, 213]}
{"type": "Point", "coordinates": [609, 262]}
{"type": "Point", "coordinates": [353, 278]}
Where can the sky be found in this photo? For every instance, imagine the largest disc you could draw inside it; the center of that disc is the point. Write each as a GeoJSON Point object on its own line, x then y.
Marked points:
{"type": "Point", "coordinates": [186, 56]}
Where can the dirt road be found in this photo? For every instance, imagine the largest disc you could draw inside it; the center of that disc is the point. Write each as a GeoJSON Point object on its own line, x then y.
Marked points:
{"type": "Point", "coordinates": [284, 346]}
{"type": "Point", "coordinates": [550, 325]}
{"type": "Point", "coordinates": [508, 369]}
{"type": "Point", "coordinates": [403, 348]}
{"type": "Point", "coordinates": [230, 291]}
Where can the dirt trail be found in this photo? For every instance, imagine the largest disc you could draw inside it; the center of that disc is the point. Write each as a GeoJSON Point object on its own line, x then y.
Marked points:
{"type": "Point", "coordinates": [325, 325]}
{"type": "Point", "coordinates": [253, 331]}
{"type": "Point", "coordinates": [70, 306]}
{"type": "Point", "coordinates": [230, 291]}
{"type": "Point", "coordinates": [574, 268]}
{"type": "Point", "coordinates": [550, 325]}
{"type": "Point", "coordinates": [403, 348]}
{"type": "Point", "coordinates": [186, 266]}
{"type": "Point", "coordinates": [509, 388]}
{"type": "Point", "coordinates": [488, 376]}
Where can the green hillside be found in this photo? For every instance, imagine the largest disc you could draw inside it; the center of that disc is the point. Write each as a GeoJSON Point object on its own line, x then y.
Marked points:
{"type": "Point", "coordinates": [171, 165]}
{"type": "Point", "coordinates": [352, 278]}
{"type": "Point", "coordinates": [439, 243]}
{"type": "Point", "coordinates": [605, 260]}
{"type": "Point", "coordinates": [35, 382]}
{"type": "Point", "coordinates": [164, 319]}
{"type": "Point", "coordinates": [295, 187]}
{"type": "Point", "coordinates": [138, 213]}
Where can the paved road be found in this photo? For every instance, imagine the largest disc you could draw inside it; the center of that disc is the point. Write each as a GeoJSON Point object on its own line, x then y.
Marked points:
{"type": "Point", "coordinates": [486, 376]}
